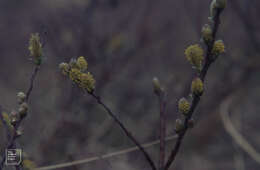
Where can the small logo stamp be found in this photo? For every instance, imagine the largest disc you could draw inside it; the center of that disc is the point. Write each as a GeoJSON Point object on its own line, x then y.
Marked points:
{"type": "Point", "coordinates": [13, 156]}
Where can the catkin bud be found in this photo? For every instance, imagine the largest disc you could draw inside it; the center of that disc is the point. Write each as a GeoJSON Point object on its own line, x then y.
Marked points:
{"type": "Point", "coordinates": [157, 86]}
{"type": "Point", "coordinates": [206, 33]}
{"type": "Point", "coordinates": [82, 63]}
{"type": "Point", "coordinates": [197, 87]}
{"type": "Point", "coordinates": [184, 106]}
{"type": "Point", "coordinates": [23, 109]}
{"type": "Point", "coordinates": [87, 82]}
{"type": "Point", "coordinates": [195, 55]}
{"type": "Point", "coordinates": [218, 48]}
{"type": "Point", "coordinates": [64, 68]}
{"type": "Point", "coordinates": [217, 5]}
{"type": "Point", "coordinates": [35, 48]}
{"type": "Point", "coordinates": [73, 64]}
{"type": "Point", "coordinates": [13, 118]}
{"type": "Point", "coordinates": [21, 97]}
{"type": "Point", "coordinates": [179, 126]}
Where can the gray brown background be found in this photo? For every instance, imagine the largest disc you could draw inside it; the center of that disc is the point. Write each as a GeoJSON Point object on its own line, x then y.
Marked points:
{"type": "Point", "coordinates": [127, 43]}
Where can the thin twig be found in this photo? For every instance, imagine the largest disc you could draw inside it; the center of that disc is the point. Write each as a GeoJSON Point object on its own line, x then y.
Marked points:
{"type": "Point", "coordinates": [36, 69]}
{"type": "Point", "coordinates": [208, 61]}
{"type": "Point", "coordinates": [11, 142]}
{"type": "Point", "coordinates": [162, 102]}
{"type": "Point", "coordinates": [109, 155]}
{"type": "Point", "coordinates": [128, 134]}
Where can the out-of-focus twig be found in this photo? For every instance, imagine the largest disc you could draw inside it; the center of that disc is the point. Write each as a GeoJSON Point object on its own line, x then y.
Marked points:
{"type": "Point", "coordinates": [237, 137]}
{"type": "Point", "coordinates": [96, 158]}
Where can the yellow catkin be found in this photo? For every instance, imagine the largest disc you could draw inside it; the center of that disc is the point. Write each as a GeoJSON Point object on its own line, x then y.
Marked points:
{"type": "Point", "coordinates": [82, 63]}
{"type": "Point", "coordinates": [184, 106]}
{"type": "Point", "coordinates": [197, 87]}
{"type": "Point", "coordinates": [218, 47]}
{"type": "Point", "coordinates": [206, 33]}
{"type": "Point", "coordinates": [74, 75]}
{"type": "Point", "coordinates": [35, 48]}
{"type": "Point", "coordinates": [194, 54]}
{"type": "Point", "coordinates": [87, 82]}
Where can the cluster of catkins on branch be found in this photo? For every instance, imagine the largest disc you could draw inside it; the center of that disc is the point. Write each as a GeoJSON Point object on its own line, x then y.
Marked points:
{"type": "Point", "coordinates": [76, 71]}
{"type": "Point", "coordinates": [13, 120]}
{"type": "Point", "coordinates": [195, 56]}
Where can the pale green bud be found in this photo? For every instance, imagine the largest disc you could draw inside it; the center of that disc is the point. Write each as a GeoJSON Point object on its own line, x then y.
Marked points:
{"type": "Point", "coordinates": [157, 86]}
{"type": "Point", "coordinates": [206, 33]}
{"type": "Point", "coordinates": [215, 6]}
{"type": "Point", "coordinates": [21, 97]}
{"type": "Point", "coordinates": [184, 106]}
{"type": "Point", "coordinates": [179, 126]}
{"type": "Point", "coordinates": [197, 87]}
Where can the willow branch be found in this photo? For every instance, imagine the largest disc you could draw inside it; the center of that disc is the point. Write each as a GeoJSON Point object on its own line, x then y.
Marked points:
{"type": "Point", "coordinates": [14, 135]}
{"type": "Point", "coordinates": [208, 61]}
{"type": "Point", "coordinates": [33, 76]}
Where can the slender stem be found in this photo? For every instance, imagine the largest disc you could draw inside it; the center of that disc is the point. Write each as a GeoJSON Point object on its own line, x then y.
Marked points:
{"type": "Point", "coordinates": [208, 61]}
{"type": "Point", "coordinates": [162, 102]}
{"type": "Point", "coordinates": [36, 69]}
{"type": "Point", "coordinates": [11, 142]}
{"type": "Point", "coordinates": [105, 156]}
{"type": "Point", "coordinates": [128, 134]}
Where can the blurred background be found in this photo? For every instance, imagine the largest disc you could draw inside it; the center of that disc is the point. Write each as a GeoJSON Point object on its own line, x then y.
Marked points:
{"type": "Point", "coordinates": [127, 43]}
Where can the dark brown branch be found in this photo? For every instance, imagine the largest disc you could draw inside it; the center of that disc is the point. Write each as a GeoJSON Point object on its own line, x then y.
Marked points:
{"type": "Point", "coordinates": [36, 69]}
{"type": "Point", "coordinates": [162, 102]}
{"type": "Point", "coordinates": [128, 134]}
{"type": "Point", "coordinates": [208, 61]}
{"type": "Point", "coordinates": [14, 136]}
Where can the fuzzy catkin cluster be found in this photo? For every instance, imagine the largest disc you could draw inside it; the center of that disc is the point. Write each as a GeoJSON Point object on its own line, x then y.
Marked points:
{"type": "Point", "coordinates": [195, 55]}
{"type": "Point", "coordinates": [16, 116]}
{"type": "Point", "coordinates": [76, 71]}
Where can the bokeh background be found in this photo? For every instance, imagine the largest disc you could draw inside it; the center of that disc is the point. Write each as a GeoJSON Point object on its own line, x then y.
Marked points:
{"type": "Point", "coordinates": [127, 43]}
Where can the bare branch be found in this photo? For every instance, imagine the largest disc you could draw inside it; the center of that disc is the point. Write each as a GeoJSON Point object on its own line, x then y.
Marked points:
{"type": "Point", "coordinates": [109, 155]}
